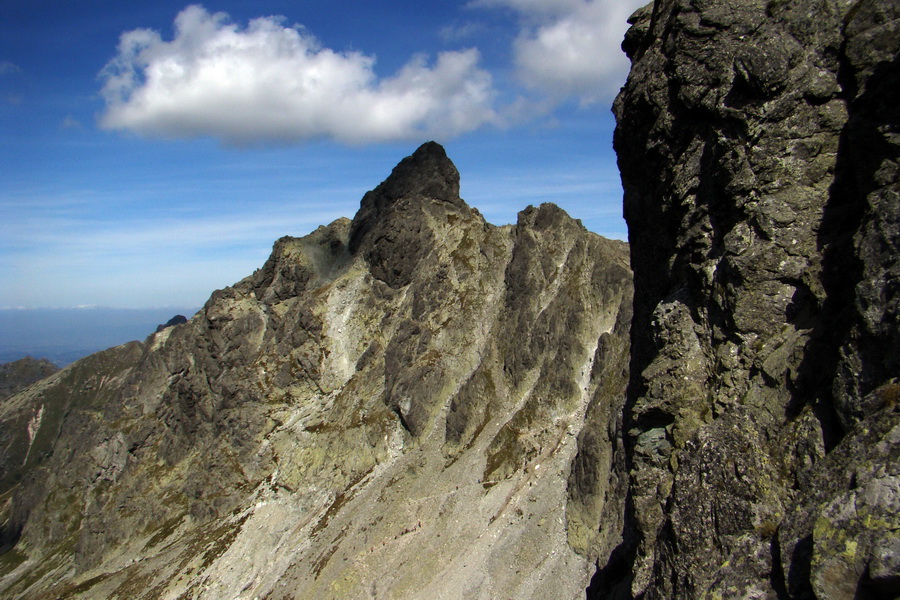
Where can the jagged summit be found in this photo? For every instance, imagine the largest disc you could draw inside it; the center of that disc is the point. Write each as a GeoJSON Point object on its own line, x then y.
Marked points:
{"type": "Point", "coordinates": [427, 173]}
{"type": "Point", "coordinates": [394, 226]}
{"type": "Point", "coordinates": [392, 231]}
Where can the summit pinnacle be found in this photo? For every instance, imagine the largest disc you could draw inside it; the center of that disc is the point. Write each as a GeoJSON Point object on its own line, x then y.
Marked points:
{"type": "Point", "coordinates": [392, 227]}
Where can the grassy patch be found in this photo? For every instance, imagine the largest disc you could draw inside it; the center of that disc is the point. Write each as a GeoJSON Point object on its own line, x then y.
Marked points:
{"type": "Point", "coordinates": [10, 560]}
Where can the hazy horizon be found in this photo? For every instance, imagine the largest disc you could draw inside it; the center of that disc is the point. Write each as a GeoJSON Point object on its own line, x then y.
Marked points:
{"type": "Point", "coordinates": [63, 335]}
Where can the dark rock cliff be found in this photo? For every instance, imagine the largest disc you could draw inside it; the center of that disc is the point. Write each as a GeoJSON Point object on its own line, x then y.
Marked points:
{"type": "Point", "coordinates": [761, 429]}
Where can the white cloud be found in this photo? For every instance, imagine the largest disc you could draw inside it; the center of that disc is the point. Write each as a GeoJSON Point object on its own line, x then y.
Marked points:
{"type": "Point", "coordinates": [571, 48]}
{"type": "Point", "coordinates": [270, 83]}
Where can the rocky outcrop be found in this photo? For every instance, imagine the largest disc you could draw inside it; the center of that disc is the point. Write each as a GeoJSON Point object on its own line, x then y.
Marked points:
{"type": "Point", "coordinates": [761, 427]}
{"type": "Point", "coordinates": [33, 421]}
{"type": "Point", "coordinates": [17, 375]}
{"type": "Point", "coordinates": [176, 320]}
{"type": "Point", "coordinates": [389, 407]}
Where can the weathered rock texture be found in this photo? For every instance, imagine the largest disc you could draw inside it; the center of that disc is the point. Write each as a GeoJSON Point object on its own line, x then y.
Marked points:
{"type": "Point", "coordinates": [388, 408]}
{"type": "Point", "coordinates": [758, 145]}
{"type": "Point", "coordinates": [417, 404]}
{"type": "Point", "coordinates": [176, 320]}
{"type": "Point", "coordinates": [17, 375]}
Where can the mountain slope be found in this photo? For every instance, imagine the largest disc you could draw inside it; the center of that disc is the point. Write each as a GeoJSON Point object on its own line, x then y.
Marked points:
{"type": "Point", "coordinates": [17, 375]}
{"type": "Point", "coordinates": [389, 407]}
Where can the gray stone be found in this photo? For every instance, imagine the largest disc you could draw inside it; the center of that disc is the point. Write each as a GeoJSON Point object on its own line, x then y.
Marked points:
{"type": "Point", "coordinates": [764, 339]}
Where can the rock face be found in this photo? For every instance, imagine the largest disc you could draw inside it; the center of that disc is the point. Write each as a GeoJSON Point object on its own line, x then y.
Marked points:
{"type": "Point", "coordinates": [389, 408]}
{"type": "Point", "coordinates": [762, 428]}
{"type": "Point", "coordinates": [18, 375]}
{"type": "Point", "coordinates": [176, 320]}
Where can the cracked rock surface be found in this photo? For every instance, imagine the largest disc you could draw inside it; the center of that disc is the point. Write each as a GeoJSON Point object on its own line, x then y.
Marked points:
{"type": "Point", "coordinates": [761, 425]}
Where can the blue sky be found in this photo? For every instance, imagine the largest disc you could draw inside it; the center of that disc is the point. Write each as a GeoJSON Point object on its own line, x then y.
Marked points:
{"type": "Point", "coordinates": [153, 151]}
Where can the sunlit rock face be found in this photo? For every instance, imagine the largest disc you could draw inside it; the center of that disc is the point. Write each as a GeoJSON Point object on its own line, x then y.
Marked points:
{"type": "Point", "coordinates": [758, 146]}
{"type": "Point", "coordinates": [391, 407]}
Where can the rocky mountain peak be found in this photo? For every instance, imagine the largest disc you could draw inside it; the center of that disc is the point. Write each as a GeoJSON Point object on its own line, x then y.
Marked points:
{"type": "Point", "coordinates": [394, 417]}
{"type": "Point", "coordinates": [427, 173]}
{"type": "Point", "coordinates": [394, 226]}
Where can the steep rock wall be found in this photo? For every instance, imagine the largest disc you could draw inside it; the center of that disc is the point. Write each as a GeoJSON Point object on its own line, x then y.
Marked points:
{"type": "Point", "coordinates": [758, 145]}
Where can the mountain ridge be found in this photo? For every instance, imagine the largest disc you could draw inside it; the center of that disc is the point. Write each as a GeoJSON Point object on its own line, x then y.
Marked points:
{"type": "Point", "coordinates": [413, 399]}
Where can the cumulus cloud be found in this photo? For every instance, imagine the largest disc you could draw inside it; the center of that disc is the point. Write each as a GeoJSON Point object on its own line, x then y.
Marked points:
{"type": "Point", "coordinates": [571, 48]}
{"type": "Point", "coordinates": [270, 83]}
